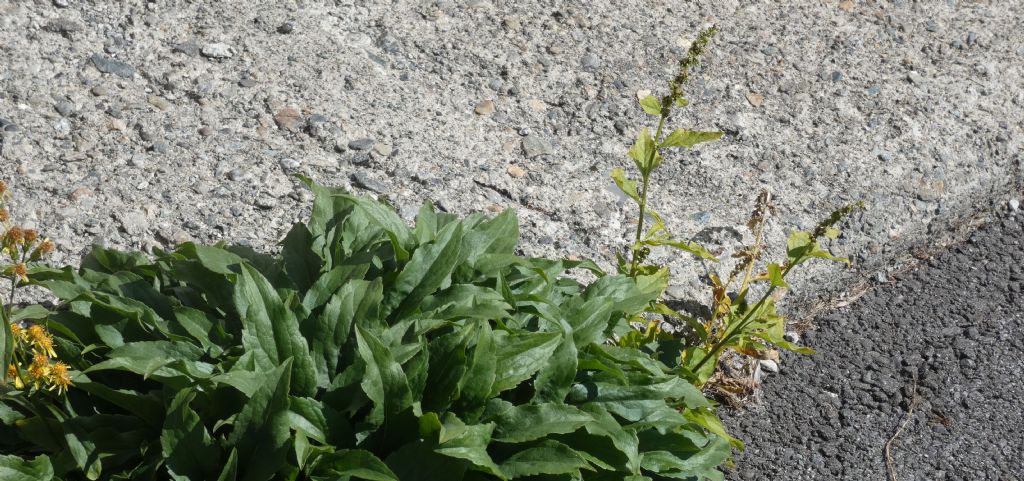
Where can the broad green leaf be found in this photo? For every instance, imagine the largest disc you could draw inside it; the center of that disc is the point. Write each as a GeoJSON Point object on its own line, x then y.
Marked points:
{"type": "Point", "coordinates": [477, 383]}
{"type": "Point", "coordinates": [651, 105]}
{"type": "Point", "coordinates": [332, 328]}
{"type": "Point", "coordinates": [625, 184]}
{"type": "Point", "coordinates": [699, 464]}
{"type": "Point", "coordinates": [775, 275]}
{"type": "Point", "coordinates": [305, 415]}
{"type": "Point", "coordinates": [643, 152]}
{"type": "Point", "coordinates": [688, 138]}
{"type": "Point", "coordinates": [188, 450]}
{"type": "Point", "coordinates": [708, 420]}
{"type": "Point", "coordinates": [385, 382]}
{"type": "Point", "coordinates": [354, 463]}
{"type": "Point", "coordinates": [547, 457]}
{"type": "Point", "coordinates": [271, 330]}
{"type": "Point", "coordinates": [448, 363]}
{"type": "Point", "coordinates": [14, 468]}
{"type": "Point", "coordinates": [230, 470]}
{"type": "Point", "coordinates": [685, 246]}
{"type": "Point", "coordinates": [468, 443]}
{"type": "Point", "coordinates": [300, 262]}
{"type": "Point", "coordinates": [536, 421]}
{"type": "Point", "coordinates": [518, 356]}
{"type": "Point", "coordinates": [801, 246]}
{"type": "Point", "coordinates": [261, 429]}
{"type": "Point", "coordinates": [31, 311]}
{"type": "Point", "coordinates": [428, 270]}
{"type": "Point", "coordinates": [498, 235]}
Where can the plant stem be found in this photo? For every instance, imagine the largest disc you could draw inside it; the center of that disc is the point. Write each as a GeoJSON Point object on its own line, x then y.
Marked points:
{"type": "Point", "coordinates": [738, 327]}
{"type": "Point", "coordinates": [646, 181]}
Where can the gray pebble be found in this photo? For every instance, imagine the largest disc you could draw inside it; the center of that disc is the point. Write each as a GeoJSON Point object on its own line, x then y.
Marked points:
{"type": "Point", "coordinates": [238, 174]}
{"type": "Point", "coordinates": [972, 39]}
{"type": "Point", "coordinates": [217, 50]}
{"type": "Point", "coordinates": [111, 66]}
{"type": "Point", "coordinates": [159, 147]}
{"type": "Point", "coordinates": [189, 48]}
{"type": "Point", "coordinates": [361, 144]}
{"type": "Point", "coordinates": [361, 180]}
{"type": "Point", "coordinates": [1014, 204]}
{"type": "Point", "coordinates": [874, 90]}
{"type": "Point", "coordinates": [61, 3]}
{"type": "Point", "coordinates": [495, 85]}
{"type": "Point", "coordinates": [837, 76]}
{"type": "Point", "coordinates": [266, 202]}
{"type": "Point", "coordinates": [137, 160]}
{"type": "Point", "coordinates": [205, 131]}
{"type": "Point", "coordinates": [65, 108]}
{"type": "Point", "coordinates": [534, 146]}
{"type": "Point", "coordinates": [290, 164]}
{"type": "Point", "coordinates": [915, 78]}
{"type": "Point", "coordinates": [590, 62]}
{"type": "Point", "coordinates": [99, 90]}
{"type": "Point", "coordinates": [247, 82]}
{"type": "Point", "coordinates": [286, 28]}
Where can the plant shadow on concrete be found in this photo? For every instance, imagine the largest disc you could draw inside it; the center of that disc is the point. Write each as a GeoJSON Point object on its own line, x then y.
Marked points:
{"type": "Point", "coordinates": [369, 349]}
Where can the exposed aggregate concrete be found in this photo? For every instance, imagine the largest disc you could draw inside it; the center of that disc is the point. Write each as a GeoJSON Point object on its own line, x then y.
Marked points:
{"type": "Point", "coordinates": [142, 124]}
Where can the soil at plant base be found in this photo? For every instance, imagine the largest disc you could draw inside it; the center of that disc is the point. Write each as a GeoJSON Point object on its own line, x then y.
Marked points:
{"type": "Point", "coordinates": [957, 324]}
{"type": "Point", "coordinates": [145, 124]}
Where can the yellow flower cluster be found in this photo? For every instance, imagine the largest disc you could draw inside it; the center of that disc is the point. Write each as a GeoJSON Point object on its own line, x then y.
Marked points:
{"type": "Point", "coordinates": [19, 245]}
{"type": "Point", "coordinates": [32, 363]}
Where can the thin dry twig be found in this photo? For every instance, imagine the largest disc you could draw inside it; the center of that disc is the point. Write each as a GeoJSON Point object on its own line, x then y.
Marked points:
{"type": "Point", "coordinates": [906, 420]}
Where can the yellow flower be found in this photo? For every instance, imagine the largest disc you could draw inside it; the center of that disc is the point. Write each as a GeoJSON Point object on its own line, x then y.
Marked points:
{"type": "Point", "coordinates": [41, 339]}
{"type": "Point", "coordinates": [59, 377]}
{"type": "Point", "coordinates": [40, 367]}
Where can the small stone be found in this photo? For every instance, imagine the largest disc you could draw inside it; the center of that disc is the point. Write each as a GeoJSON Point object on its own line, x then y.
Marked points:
{"type": "Point", "coordinates": [137, 160]}
{"type": "Point", "coordinates": [159, 147]}
{"type": "Point", "coordinates": [590, 62]}
{"type": "Point", "coordinates": [189, 48]}
{"type": "Point", "coordinates": [755, 99]}
{"type": "Point", "coordinates": [516, 171]}
{"type": "Point", "coordinates": [534, 146]}
{"type": "Point", "coordinates": [65, 108]}
{"type": "Point", "coordinates": [874, 90]}
{"type": "Point", "coordinates": [485, 108]}
{"type": "Point", "coordinates": [837, 76]}
{"type": "Point", "coordinates": [972, 39]}
{"type": "Point", "coordinates": [536, 105]}
{"type": "Point", "coordinates": [205, 131]}
{"type": "Point", "coordinates": [792, 336]}
{"type": "Point", "coordinates": [915, 78]}
{"type": "Point", "coordinates": [846, 5]}
{"type": "Point", "coordinates": [99, 90]}
{"type": "Point", "coordinates": [116, 124]}
{"type": "Point", "coordinates": [642, 94]}
{"type": "Point", "coordinates": [1014, 204]}
{"type": "Point", "coordinates": [767, 365]}
{"type": "Point", "coordinates": [247, 83]}
{"type": "Point", "coordinates": [63, 26]}
{"type": "Point", "coordinates": [882, 277]}
{"type": "Point", "coordinates": [932, 26]}
{"type": "Point", "coordinates": [361, 180]}
{"type": "Point", "coordinates": [266, 202]}
{"type": "Point", "coordinates": [111, 66]}
{"type": "Point", "coordinates": [382, 149]}
{"type": "Point", "coordinates": [61, 3]}
{"type": "Point", "coordinates": [361, 144]}
{"type": "Point", "coordinates": [159, 102]}
{"type": "Point", "coordinates": [80, 193]}
{"type": "Point", "coordinates": [286, 28]}
{"type": "Point", "coordinates": [238, 175]}
{"type": "Point", "coordinates": [288, 118]}
{"type": "Point", "coordinates": [290, 164]}
{"type": "Point", "coordinates": [217, 50]}
{"type": "Point", "coordinates": [495, 84]}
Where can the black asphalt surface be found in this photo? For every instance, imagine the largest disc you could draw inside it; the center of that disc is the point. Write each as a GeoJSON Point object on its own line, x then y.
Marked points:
{"type": "Point", "coordinates": [958, 322]}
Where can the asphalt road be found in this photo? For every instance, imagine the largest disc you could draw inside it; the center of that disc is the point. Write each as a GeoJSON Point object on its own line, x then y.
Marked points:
{"type": "Point", "coordinates": [956, 324]}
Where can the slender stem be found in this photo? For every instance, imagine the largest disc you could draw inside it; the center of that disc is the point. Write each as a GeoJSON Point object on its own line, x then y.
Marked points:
{"type": "Point", "coordinates": [646, 180]}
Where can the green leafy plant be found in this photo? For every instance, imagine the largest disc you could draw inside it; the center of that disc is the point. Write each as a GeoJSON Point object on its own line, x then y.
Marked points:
{"type": "Point", "coordinates": [734, 323]}
{"type": "Point", "coordinates": [365, 350]}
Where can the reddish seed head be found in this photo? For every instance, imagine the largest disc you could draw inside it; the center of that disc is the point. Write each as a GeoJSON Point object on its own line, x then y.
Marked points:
{"type": "Point", "coordinates": [15, 235]}
{"type": "Point", "coordinates": [4, 215]}
{"type": "Point", "coordinates": [31, 235]}
{"type": "Point", "coordinates": [47, 247]}
{"type": "Point", "coordinates": [3, 187]}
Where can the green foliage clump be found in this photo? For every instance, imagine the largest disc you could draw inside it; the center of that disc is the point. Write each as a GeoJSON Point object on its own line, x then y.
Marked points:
{"type": "Point", "coordinates": [365, 350]}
